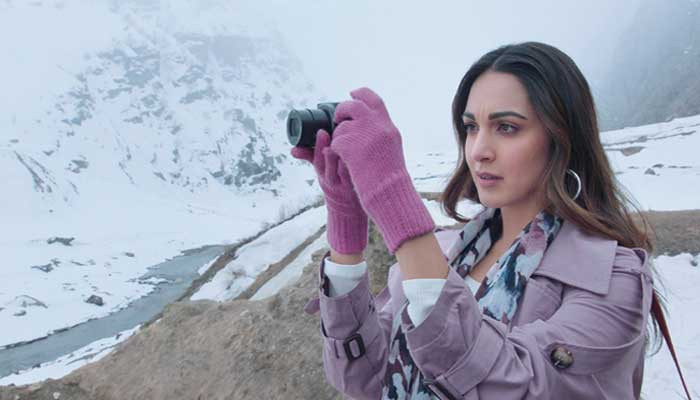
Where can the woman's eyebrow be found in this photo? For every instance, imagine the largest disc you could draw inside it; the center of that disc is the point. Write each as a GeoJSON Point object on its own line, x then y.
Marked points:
{"type": "Point", "coordinates": [495, 115]}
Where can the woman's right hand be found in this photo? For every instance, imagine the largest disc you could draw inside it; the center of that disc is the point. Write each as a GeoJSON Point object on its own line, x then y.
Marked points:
{"type": "Point", "coordinates": [347, 222]}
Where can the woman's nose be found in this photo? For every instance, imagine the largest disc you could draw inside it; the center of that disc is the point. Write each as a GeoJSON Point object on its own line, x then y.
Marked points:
{"type": "Point", "coordinates": [481, 147]}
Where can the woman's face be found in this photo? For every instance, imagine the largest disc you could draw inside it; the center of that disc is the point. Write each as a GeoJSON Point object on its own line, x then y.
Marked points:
{"type": "Point", "coordinates": [505, 139]}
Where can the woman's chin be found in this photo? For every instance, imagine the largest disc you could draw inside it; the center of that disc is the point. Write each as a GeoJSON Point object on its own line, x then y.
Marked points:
{"type": "Point", "coordinates": [490, 201]}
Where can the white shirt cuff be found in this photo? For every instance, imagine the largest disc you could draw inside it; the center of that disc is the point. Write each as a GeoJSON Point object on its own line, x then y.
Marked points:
{"type": "Point", "coordinates": [422, 294]}
{"type": "Point", "coordinates": [343, 278]}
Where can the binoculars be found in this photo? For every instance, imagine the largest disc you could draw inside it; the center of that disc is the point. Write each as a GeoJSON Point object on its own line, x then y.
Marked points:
{"type": "Point", "coordinates": [302, 124]}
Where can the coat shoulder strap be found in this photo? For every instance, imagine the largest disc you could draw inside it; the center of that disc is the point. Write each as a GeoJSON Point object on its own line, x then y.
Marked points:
{"type": "Point", "coordinates": [659, 314]}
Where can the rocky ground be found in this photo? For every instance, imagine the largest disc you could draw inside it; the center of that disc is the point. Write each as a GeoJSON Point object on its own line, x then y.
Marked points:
{"type": "Point", "coordinates": [675, 231]}
{"type": "Point", "coordinates": [245, 349]}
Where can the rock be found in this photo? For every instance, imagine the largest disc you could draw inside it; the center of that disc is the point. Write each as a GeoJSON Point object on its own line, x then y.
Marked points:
{"type": "Point", "coordinates": [44, 268]}
{"type": "Point", "coordinates": [129, 254]}
{"type": "Point", "coordinates": [650, 171]}
{"type": "Point", "coordinates": [20, 313]}
{"type": "Point", "coordinates": [78, 165]}
{"type": "Point", "coordinates": [96, 300]}
{"type": "Point", "coordinates": [29, 301]}
{"type": "Point", "coordinates": [61, 240]}
{"type": "Point", "coordinates": [628, 151]}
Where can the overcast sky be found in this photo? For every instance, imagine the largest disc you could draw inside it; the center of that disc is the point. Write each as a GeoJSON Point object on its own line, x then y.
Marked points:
{"type": "Point", "coordinates": [414, 55]}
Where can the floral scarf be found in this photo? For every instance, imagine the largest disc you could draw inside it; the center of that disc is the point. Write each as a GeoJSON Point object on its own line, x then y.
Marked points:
{"type": "Point", "coordinates": [497, 296]}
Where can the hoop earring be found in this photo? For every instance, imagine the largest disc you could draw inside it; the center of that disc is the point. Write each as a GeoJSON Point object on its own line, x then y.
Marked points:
{"type": "Point", "coordinates": [578, 181]}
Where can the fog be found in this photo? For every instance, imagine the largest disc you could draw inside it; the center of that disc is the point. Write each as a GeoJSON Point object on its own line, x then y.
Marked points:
{"type": "Point", "coordinates": [414, 56]}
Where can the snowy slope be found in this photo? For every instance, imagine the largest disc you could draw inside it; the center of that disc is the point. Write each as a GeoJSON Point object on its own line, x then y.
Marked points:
{"type": "Point", "coordinates": [140, 129]}
{"type": "Point", "coordinates": [659, 163]}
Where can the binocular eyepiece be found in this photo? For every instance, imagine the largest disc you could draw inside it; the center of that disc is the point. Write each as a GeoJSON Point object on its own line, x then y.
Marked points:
{"type": "Point", "coordinates": [302, 124]}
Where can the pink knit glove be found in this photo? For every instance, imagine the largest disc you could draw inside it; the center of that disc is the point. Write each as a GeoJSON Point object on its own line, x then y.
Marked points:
{"type": "Point", "coordinates": [370, 145]}
{"type": "Point", "coordinates": [347, 223]}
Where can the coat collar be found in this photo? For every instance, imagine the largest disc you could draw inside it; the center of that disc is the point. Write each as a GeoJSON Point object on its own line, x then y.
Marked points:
{"type": "Point", "coordinates": [579, 259]}
{"type": "Point", "coordinates": [574, 258]}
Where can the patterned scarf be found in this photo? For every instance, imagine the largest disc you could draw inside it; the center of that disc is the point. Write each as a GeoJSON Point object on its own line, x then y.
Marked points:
{"type": "Point", "coordinates": [497, 296]}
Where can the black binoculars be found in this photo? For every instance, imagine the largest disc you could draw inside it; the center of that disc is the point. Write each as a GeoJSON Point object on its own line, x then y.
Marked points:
{"type": "Point", "coordinates": [303, 124]}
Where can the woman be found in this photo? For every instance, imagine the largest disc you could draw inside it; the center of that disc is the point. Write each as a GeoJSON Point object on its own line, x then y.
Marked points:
{"type": "Point", "coordinates": [544, 294]}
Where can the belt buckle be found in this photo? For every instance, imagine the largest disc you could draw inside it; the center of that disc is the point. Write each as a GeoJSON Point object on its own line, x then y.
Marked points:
{"type": "Point", "coordinates": [348, 351]}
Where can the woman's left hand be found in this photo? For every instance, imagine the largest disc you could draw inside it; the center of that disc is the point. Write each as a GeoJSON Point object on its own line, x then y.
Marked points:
{"type": "Point", "coordinates": [367, 141]}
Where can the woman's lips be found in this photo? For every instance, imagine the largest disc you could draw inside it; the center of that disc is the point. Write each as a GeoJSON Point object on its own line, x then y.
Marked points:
{"type": "Point", "coordinates": [488, 180]}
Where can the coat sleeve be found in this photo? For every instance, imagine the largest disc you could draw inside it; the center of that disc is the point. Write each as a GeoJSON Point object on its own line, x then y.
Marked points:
{"type": "Point", "coordinates": [355, 329]}
{"type": "Point", "coordinates": [465, 355]}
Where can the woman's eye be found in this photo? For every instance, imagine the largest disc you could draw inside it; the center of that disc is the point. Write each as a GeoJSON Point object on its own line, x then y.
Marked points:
{"type": "Point", "coordinates": [469, 127]}
{"type": "Point", "coordinates": [507, 128]}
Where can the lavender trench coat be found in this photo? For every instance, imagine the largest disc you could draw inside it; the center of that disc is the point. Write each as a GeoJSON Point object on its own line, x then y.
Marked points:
{"type": "Point", "coordinates": [578, 333]}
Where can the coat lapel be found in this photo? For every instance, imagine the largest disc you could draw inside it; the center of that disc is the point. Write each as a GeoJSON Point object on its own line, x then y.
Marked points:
{"type": "Point", "coordinates": [579, 259]}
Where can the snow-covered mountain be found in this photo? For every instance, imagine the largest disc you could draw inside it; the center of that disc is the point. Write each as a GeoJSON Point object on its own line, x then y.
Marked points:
{"type": "Point", "coordinates": [139, 129]}
{"type": "Point", "coordinates": [154, 102]}
{"type": "Point", "coordinates": [652, 74]}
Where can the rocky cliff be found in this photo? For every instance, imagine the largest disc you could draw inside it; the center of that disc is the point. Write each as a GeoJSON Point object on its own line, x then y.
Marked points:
{"type": "Point", "coordinates": [653, 75]}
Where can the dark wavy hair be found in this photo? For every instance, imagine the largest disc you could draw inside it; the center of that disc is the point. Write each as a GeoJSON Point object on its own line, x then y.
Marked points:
{"type": "Point", "coordinates": [562, 100]}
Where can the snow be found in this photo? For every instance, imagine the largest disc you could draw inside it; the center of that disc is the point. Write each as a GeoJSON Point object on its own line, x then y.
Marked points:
{"type": "Point", "coordinates": [291, 272]}
{"type": "Point", "coordinates": [103, 261]}
{"type": "Point", "coordinates": [681, 279]}
{"type": "Point", "coordinates": [130, 195]}
{"type": "Point", "coordinates": [667, 149]}
{"type": "Point", "coordinates": [256, 256]}
{"type": "Point", "coordinates": [205, 267]}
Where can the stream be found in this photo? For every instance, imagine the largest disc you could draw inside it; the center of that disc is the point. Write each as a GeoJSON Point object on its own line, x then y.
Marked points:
{"type": "Point", "coordinates": [179, 272]}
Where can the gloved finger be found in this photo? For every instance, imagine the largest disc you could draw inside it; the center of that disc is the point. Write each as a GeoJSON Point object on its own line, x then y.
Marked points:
{"type": "Point", "coordinates": [342, 137]}
{"type": "Point", "coordinates": [343, 173]}
{"type": "Point", "coordinates": [323, 140]}
{"type": "Point", "coordinates": [349, 110]}
{"type": "Point", "coordinates": [331, 165]}
{"type": "Point", "coordinates": [367, 96]}
{"type": "Point", "coordinates": [302, 153]}
{"type": "Point", "coordinates": [344, 128]}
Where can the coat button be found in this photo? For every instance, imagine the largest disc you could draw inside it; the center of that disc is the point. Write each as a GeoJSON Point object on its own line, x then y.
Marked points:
{"type": "Point", "coordinates": [561, 357]}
